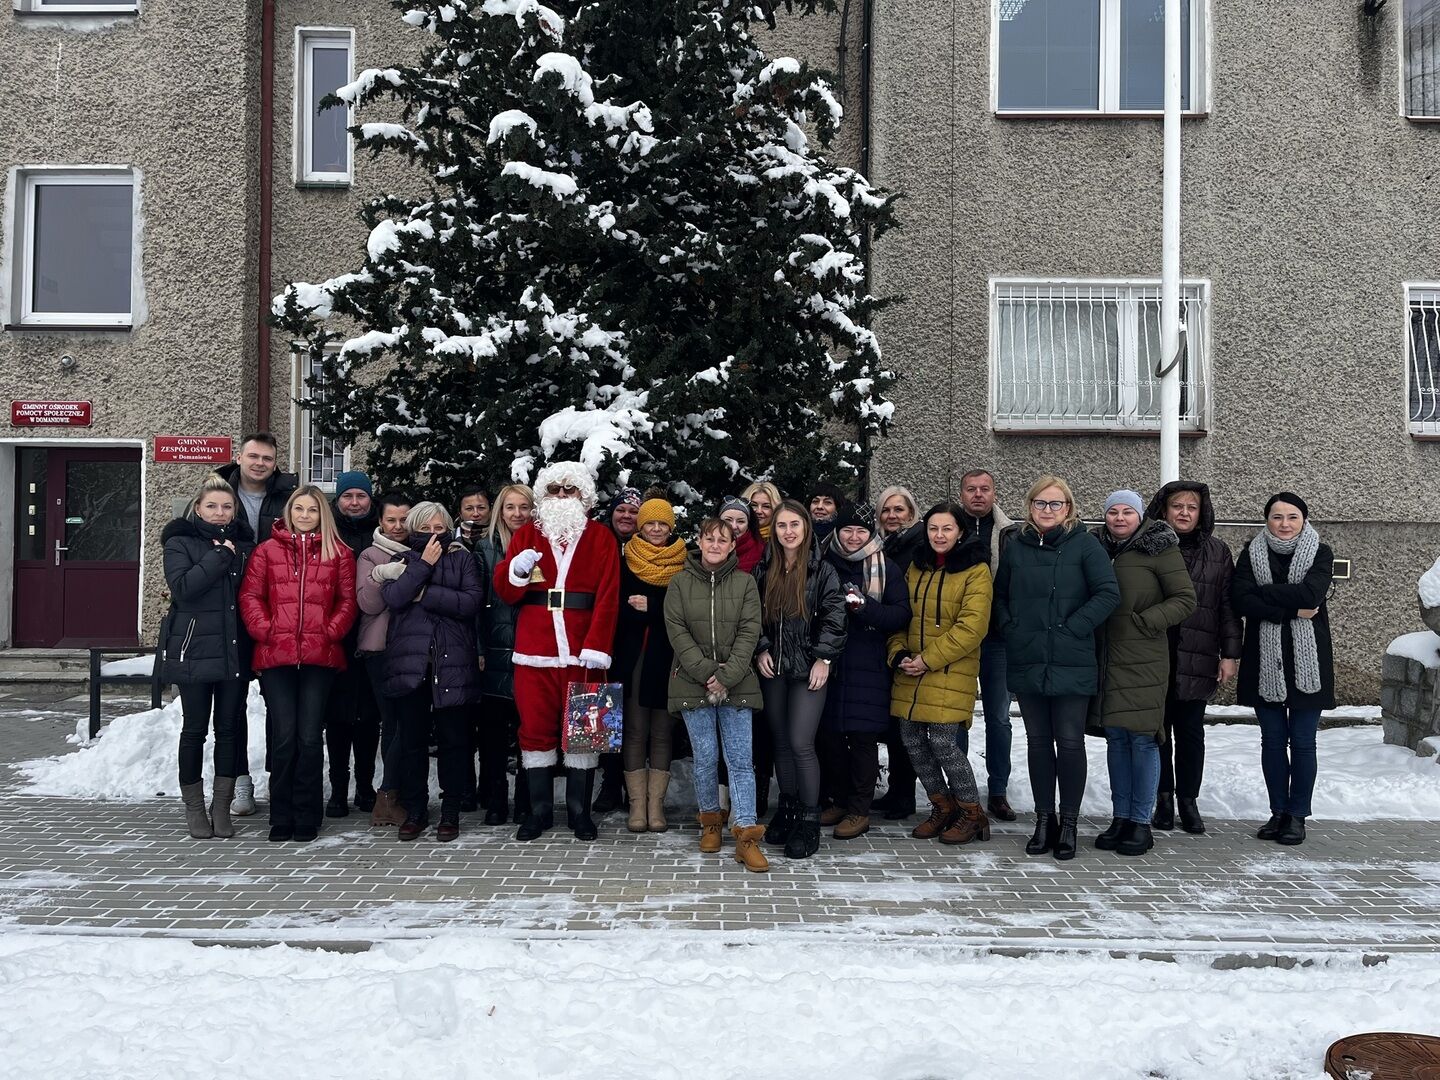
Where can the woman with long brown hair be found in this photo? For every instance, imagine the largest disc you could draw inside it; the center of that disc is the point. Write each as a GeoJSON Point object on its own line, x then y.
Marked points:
{"type": "Point", "coordinates": [803, 626]}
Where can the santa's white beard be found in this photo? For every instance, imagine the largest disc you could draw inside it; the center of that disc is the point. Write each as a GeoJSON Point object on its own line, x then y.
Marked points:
{"type": "Point", "coordinates": [561, 520]}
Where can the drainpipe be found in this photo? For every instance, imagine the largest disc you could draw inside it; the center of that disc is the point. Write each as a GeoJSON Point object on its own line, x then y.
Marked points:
{"type": "Point", "coordinates": [867, 20]}
{"type": "Point", "coordinates": [267, 168]}
{"type": "Point", "coordinates": [1170, 255]}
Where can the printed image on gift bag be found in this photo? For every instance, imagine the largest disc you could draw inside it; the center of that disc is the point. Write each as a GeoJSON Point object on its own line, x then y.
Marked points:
{"type": "Point", "coordinates": [594, 718]}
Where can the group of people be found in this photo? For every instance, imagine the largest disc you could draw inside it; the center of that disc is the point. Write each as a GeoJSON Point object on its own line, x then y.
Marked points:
{"type": "Point", "coordinates": [788, 637]}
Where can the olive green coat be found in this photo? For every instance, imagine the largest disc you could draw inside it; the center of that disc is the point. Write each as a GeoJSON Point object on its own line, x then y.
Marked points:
{"type": "Point", "coordinates": [1156, 593]}
{"type": "Point", "coordinates": [949, 617]}
{"type": "Point", "coordinates": [713, 620]}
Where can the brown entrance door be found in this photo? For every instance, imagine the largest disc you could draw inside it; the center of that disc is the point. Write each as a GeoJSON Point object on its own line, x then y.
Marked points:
{"type": "Point", "coordinates": [77, 557]}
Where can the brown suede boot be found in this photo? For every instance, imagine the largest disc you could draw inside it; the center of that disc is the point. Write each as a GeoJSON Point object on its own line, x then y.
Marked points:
{"type": "Point", "coordinates": [747, 847]}
{"type": "Point", "coordinates": [388, 810]}
{"type": "Point", "coordinates": [656, 783]}
{"type": "Point", "coordinates": [969, 824]}
{"type": "Point", "coordinates": [638, 821]}
{"type": "Point", "coordinates": [711, 822]}
{"type": "Point", "coordinates": [943, 811]}
{"type": "Point", "coordinates": [851, 826]}
{"type": "Point", "coordinates": [832, 815]}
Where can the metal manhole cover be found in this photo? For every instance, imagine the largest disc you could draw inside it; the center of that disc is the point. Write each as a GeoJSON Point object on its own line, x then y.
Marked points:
{"type": "Point", "coordinates": [1384, 1055]}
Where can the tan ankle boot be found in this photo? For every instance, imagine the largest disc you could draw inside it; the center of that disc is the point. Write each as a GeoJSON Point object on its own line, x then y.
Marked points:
{"type": "Point", "coordinates": [655, 804]}
{"type": "Point", "coordinates": [711, 822]}
{"type": "Point", "coordinates": [747, 847]}
{"type": "Point", "coordinates": [639, 820]}
{"type": "Point", "coordinates": [942, 813]}
{"type": "Point", "coordinates": [969, 824]}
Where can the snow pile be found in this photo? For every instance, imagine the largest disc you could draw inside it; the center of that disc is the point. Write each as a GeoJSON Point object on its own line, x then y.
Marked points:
{"type": "Point", "coordinates": [1422, 646]}
{"type": "Point", "coordinates": [467, 1006]}
{"type": "Point", "coordinates": [131, 665]}
{"type": "Point", "coordinates": [1430, 586]}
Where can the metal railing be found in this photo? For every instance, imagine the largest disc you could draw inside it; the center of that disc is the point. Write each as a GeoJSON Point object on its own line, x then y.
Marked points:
{"type": "Point", "coordinates": [1422, 349]}
{"type": "Point", "coordinates": [97, 657]}
{"type": "Point", "coordinates": [1082, 355]}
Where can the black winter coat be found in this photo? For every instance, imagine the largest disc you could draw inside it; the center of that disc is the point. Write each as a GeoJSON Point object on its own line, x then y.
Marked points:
{"type": "Point", "coordinates": [203, 638]}
{"type": "Point", "coordinates": [356, 533]}
{"type": "Point", "coordinates": [1278, 602]}
{"type": "Point", "coordinates": [1214, 630]}
{"type": "Point", "coordinates": [901, 546]}
{"type": "Point", "coordinates": [799, 641]}
{"type": "Point", "coordinates": [858, 693]}
{"type": "Point", "coordinates": [495, 627]}
{"type": "Point", "coordinates": [432, 624]}
{"type": "Point", "coordinates": [272, 507]}
{"type": "Point", "coordinates": [641, 638]}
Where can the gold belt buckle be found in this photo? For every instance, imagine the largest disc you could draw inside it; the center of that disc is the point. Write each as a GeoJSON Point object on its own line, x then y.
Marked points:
{"type": "Point", "coordinates": [555, 600]}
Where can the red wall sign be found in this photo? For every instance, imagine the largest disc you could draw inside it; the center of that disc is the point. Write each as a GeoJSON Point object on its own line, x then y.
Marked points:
{"type": "Point", "coordinates": [193, 449]}
{"type": "Point", "coordinates": [50, 413]}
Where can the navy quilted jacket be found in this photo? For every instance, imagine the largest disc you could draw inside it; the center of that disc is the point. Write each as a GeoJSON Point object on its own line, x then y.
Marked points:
{"type": "Point", "coordinates": [858, 694]}
{"type": "Point", "coordinates": [432, 621]}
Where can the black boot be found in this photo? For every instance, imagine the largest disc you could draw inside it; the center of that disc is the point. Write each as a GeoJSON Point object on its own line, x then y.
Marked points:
{"type": "Point", "coordinates": [787, 816]}
{"type": "Point", "coordinates": [1271, 829]}
{"type": "Point", "coordinates": [1164, 816]}
{"type": "Point", "coordinates": [522, 797]}
{"type": "Point", "coordinates": [804, 839]}
{"type": "Point", "coordinates": [1047, 831]}
{"type": "Point", "coordinates": [339, 803]}
{"type": "Point", "coordinates": [1119, 828]}
{"type": "Point", "coordinates": [1137, 840]}
{"type": "Point", "coordinates": [1068, 837]}
{"type": "Point", "coordinates": [497, 802]}
{"type": "Point", "coordinates": [1190, 819]}
{"type": "Point", "coordinates": [611, 795]}
{"type": "Point", "coordinates": [541, 813]}
{"type": "Point", "coordinates": [579, 783]}
{"type": "Point", "coordinates": [1293, 833]}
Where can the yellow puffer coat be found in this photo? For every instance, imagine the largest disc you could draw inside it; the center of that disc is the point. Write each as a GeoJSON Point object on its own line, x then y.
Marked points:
{"type": "Point", "coordinates": [949, 616]}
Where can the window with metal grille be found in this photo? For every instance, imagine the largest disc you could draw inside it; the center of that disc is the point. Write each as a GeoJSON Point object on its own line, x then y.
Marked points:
{"type": "Point", "coordinates": [1421, 35]}
{"type": "Point", "coordinates": [318, 459]}
{"type": "Point", "coordinates": [1423, 352]}
{"type": "Point", "coordinates": [1082, 355]}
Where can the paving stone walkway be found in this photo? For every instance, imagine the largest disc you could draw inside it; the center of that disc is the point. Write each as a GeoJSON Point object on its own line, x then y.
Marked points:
{"type": "Point", "coordinates": [93, 867]}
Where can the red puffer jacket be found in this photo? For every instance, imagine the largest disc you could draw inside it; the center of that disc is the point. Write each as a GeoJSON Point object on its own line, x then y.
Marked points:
{"type": "Point", "coordinates": [297, 605]}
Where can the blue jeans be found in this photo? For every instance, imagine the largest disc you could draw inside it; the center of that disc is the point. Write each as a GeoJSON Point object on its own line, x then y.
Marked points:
{"type": "Point", "coordinates": [709, 728]}
{"type": "Point", "coordinates": [995, 699]}
{"type": "Point", "coordinates": [1134, 761]}
{"type": "Point", "coordinates": [1287, 756]}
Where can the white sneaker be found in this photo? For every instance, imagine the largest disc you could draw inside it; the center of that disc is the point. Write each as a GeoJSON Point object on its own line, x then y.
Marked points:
{"type": "Point", "coordinates": [243, 805]}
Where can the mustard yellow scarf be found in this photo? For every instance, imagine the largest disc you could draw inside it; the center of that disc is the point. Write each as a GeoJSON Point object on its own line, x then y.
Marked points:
{"type": "Point", "coordinates": [655, 565]}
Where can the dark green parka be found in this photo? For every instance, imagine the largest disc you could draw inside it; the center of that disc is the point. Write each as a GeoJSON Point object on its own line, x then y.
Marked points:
{"type": "Point", "coordinates": [1156, 593]}
{"type": "Point", "coordinates": [713, 620]}
{"type": "Point", "coordinates": [1052, 593]}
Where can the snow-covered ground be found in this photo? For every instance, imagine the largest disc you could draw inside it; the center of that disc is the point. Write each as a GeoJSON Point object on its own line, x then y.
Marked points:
{"type": "Point", "coordinates": [1361, 778]}
{"type": "Point", "coordinates": [678, 1007]}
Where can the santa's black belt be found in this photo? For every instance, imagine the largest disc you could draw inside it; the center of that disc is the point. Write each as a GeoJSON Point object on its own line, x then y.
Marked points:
{"type": "Point", "coordinates": [558, 599]}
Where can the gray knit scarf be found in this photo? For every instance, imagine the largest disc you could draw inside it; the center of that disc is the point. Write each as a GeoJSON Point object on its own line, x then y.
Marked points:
{"type": "Point", "coordinates": [1303, 549]}
{"type": "Point", "coordinates": [872, 554]}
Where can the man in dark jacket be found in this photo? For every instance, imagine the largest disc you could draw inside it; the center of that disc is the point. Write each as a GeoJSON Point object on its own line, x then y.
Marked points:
{"type": "Point", "coordinates": [262, 489]}
{"type": "Point", "coordinates": [1204, 649]}
{"type": "Point", "coordinates": [990, 525]}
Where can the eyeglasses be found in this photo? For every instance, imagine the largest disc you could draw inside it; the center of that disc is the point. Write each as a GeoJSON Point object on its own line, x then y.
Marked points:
{"type": "Point", "coordinates": [562, 489]}
{"type": "Point", "coordinates": [1049, 504]}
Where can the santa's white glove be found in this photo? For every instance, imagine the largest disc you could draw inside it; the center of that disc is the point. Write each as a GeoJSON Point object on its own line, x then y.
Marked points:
{"type": "Point", "coordinates": [387, 571]}
{"type": "Point", "coordinates": [522, 564]}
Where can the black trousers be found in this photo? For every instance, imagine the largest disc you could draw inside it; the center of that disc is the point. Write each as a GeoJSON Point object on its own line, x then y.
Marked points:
{"type": "Point", "coordinates": [352, 721]}
{"type": "Point", "coordinates": [1182, 754]}
{"type": "Point", "coordinates": [226, 700]}
{"type": "Point", "coordinates": [851, 760]}
{"type": "Point", "coordinates": [295, 700]}
{"type": "Point", "coordinates": [389, 721]}
{"type": "Point", "coordinates": [901, 788]}
{"type": "Point", "coordinates": [496, 724]}
{"type": "Point", "coordinates": [419, 719]}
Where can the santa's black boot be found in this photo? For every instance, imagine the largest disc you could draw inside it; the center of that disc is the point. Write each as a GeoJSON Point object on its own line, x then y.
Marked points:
{"type": "Point", "coordinates": [579, 783]}
{"type": "Point", "coordinates": [541, 815]}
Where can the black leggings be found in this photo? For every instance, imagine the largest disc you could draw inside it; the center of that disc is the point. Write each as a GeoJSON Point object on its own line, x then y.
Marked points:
{"type": "Point", "coordinates": [1185, 742]}
{"type": "Point", "coordinates": [495, 724]}
{"type": "Point", "coordinates": [794, 712]}
{"type": "Point", "coordinates": [1055, 736]}
{"type": "Point", "coordinates": [227, 698]}
{"type": "Point", "coordinates": [352, 720]}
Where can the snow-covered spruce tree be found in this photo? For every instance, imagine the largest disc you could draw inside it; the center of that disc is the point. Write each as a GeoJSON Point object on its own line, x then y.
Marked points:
{"type": "Point", "coordinates": [628, 242]}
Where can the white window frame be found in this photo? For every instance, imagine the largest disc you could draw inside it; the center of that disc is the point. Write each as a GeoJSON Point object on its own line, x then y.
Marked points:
{"type": "Point", "coordinates": [1109, 88]}
{"type": "Point", "coordinates": [95, 7]}
{"type": "Point", "coordinates": [28, 180]}
{"type": "Point", "coordinates": [1401, 60]}
{"type": "Point", "coordinates": [1197, 342]}
{"type": "Point", "coordinates": [1428, 294]}
{"type": "Point", "coordinates": [307, 39]}
{"type": "Point", "coordinates": [302, 421]}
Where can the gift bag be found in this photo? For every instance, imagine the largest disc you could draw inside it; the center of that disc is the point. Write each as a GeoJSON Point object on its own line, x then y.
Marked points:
{"type": "Point", "coordinates": [594, 718]}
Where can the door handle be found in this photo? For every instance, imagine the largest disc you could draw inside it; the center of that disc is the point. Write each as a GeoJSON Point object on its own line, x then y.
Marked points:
{"type": "Point", "coordinates": [58, 550]}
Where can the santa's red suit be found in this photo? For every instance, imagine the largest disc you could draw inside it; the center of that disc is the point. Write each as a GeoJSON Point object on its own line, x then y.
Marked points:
{"type": "Point", "coordinates": [564, 630]}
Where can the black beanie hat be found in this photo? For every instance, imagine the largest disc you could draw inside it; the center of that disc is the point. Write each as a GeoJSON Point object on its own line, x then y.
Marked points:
{"type": "Point", "coordinates": [1291, 498]}
{"type": "Point", "coordinates": [862, 514]}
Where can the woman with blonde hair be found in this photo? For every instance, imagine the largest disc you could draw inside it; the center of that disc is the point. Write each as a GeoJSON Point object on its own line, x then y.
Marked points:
{"type": "Point", "coordinates": [1055, 588]}
{"type": "Point", "coordinates": [764, 499]}
{"type": "Point", "coordinates": [204, 649]}
{"type": "Point", "coordinates": [298, 602]}
{"type": "Point", "coordinates": [500, 723]}
{"type": "Point", "coordinates": [898, 516]}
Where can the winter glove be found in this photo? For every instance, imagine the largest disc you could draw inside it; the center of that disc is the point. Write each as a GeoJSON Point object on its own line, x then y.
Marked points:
{"type": "Point", "coordinates": [522, 564]}
{"type": "Point", "coordinates": [389, 571]}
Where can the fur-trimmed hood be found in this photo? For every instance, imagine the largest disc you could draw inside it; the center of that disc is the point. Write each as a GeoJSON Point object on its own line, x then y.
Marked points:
{"type": "Point", "coordinates": [1152, 538]}
{"type": "Point", "coordinates": [962, 556]}
{"type": "Point", "coordinates": [1156, 509]}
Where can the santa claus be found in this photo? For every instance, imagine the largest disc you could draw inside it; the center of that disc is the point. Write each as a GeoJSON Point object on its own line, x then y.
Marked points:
{"type": "Point", "coordinates": [562, 574]}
